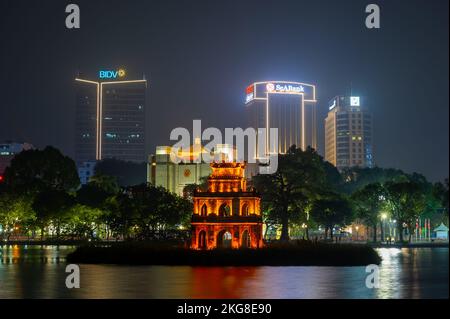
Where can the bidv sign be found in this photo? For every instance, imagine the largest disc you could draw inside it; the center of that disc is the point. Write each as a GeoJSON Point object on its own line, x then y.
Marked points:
{"type": "Point", "coordinates": [285, 88]}
{"type": "Point", "coordinates": [108, 74]}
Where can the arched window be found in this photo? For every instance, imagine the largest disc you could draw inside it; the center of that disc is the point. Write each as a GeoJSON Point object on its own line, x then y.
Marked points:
{"type": "Point", "coordinates": [244, 211]}
{"type": "Point", "coordinates": [202, 240]}
{"type": "Point", "coordinates": [204, 211]}
{"type": "Point", "coordinates": [224, 239]}
{"type": "Point", "coordinates": [224, 210]}
{"type": "Point", "coordinates": [245, 239]}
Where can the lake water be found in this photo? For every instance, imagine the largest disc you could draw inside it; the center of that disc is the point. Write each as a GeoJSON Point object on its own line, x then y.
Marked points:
{"type": "Point", "coordinates": [39, 272]}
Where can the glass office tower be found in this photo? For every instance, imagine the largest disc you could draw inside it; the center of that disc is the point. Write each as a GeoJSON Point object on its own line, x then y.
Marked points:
{"type": "Point", "coordinates": [110, 118]}
{"type": "Point", "coordinates": [288, 106]}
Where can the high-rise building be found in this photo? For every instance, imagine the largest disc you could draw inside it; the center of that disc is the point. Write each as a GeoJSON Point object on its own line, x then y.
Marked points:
{"type": "Point", "coordinates": [348, 133]}
{"type": "Point", "coordinates": [288, 106]}
{"type": "Point", "coordinates": [110, 117]}
{"type": "Point", "coordinates": [7, 152]}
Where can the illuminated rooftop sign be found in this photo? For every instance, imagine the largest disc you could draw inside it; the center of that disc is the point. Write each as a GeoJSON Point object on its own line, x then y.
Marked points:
{"type": "Point", "coordinates": [354, 100]}
{"type": "Point", "coordinates": [250, 93]}
{"type": "Point", "coordinates": [284, 88]}
{"type": "Point", "coordinates": [333, 105]}
{"type": "Point", "coordinates": [109, 74]}
{"type": "Point", "coordinates": [260, 90]}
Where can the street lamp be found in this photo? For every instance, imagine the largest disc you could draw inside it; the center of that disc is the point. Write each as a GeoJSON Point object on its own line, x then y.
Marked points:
{"type": "Point", "coordinates": [395, 229]}
{"type": "Point", "coordinates": [383, 218]}
{"type": "Point", "coordinates": [357, 228]}
{"type": "Point", "coordinates": [305, 231]}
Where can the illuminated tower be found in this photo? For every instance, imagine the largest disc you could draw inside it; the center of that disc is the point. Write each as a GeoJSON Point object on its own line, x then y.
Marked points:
{"type": "Point", "coordinates": [348, 133]}
{"type": "Point", "coordinates": [227, 215]}
{"type": "Point", "coordinates": [110, 118]}
{"type": "Point", "coordinates": [288, 106]}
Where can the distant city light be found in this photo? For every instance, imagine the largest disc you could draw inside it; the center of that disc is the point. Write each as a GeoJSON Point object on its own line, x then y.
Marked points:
{"type": "Point", "coordinates": [354, 101]}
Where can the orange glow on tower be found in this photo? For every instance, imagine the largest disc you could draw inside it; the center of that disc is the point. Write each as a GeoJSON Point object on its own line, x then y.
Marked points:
{"type": "Point", "coordinates": [227, 215]}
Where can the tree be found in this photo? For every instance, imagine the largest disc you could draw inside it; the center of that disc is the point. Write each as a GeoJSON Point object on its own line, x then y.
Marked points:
{"type": "Point", "coordinates": [106, 183]}
{"type": "Point", "coordinates": [406, 201]}
{"type": "Point", "coordinates": [368, 202]}
{"type": "Point", "coordinates": [126, 173]}
{"type": "Point", "coordinates": [288, 192]}
{"type": "Point", "coordinates": [99, 188]}
{"type": "Point", "coordinates": [84, 221]}
{"type": "Point", "coordinates": [159, 211]}
{"type": "Point", "coordinates": [122, 214]}
{"type": "Point", "coordinates": [440, 192]}
{"type": "Point", "coordinates": [34, 170]}
{"type": "Point", "coordinates": [52, 208]}
{"type": "Point", "coordinates": [357, 178]}
{"type": "Point", "coordinates": [15, 212]}
{"type": "Point", "coordinates": [332, 210]}
{"type": "Point", "coordinates": [188, 190]}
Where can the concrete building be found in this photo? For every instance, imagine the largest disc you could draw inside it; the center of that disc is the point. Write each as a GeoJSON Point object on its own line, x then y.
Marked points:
{"type": "Point", "coordinates": [162, 171]}
{"type": "Point", "coordinates": [348, 133]}
{"type": "Point", "coordinates": [288, 106]}
{"type": "Point", "coordinates": [110, 117]}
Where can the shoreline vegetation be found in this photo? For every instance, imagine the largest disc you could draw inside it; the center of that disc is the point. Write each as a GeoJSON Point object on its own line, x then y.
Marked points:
{"type": "Point", "coordinates": [69, 242]}
{"type": "Point", "coordinates": [292, 254]}
{"type": "Point", "coordinates": [41, 199]}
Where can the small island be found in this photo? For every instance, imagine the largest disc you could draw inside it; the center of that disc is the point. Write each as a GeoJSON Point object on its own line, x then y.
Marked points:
{"type": "Point", "coordinates": [297, 253]}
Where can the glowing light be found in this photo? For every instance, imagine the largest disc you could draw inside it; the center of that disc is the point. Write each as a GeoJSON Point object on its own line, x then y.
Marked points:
{"type": "Point", "coordinates": [249, 97]}
{"type": "Point", "coordinates": [260, 89]}
{"type": "Point", "coordinates": [354, 101]}
{"type": "Point", "coordinates": [289, 88]}
{"type": "Point", "coordinates": [108, 74]}
{"type": "Point", "coordinates": [332, 106]}
{"type": "Point", "coordinates": [226, 208]}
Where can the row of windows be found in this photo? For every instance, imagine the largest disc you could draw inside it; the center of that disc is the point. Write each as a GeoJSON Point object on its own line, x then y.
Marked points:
{"type": "Point", "coordinates": [115, 135]}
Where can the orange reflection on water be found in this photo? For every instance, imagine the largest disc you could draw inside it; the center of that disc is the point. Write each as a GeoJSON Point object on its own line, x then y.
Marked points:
{"type": "Point", "coordinates": [220, 282]}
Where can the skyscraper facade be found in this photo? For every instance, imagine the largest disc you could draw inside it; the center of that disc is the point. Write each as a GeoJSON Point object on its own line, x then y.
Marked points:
{"type": "Point", "coordinates": [110, 118]}
{"type": "Point", "coordinates": [348, 133]}
{"type": "Point", "coordinates": [288, 106]}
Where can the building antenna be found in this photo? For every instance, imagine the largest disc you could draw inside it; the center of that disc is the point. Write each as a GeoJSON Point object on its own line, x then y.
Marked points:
{"type": "Point", "coordinates": [351, 88]}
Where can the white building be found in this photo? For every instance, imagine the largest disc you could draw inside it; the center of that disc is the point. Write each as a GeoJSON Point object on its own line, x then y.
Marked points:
{"type": "Point", "coordinates": [161, 171]}
{"type": "Point", "coordinates": [441, 232]}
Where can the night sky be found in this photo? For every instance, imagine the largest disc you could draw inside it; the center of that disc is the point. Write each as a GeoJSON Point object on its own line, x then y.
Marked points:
{"type": "Point", "coordinates": [199, 56]}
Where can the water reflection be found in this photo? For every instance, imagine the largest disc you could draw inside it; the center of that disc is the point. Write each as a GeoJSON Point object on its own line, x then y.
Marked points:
{"type": "Point", "coordinates": [39, 272]}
